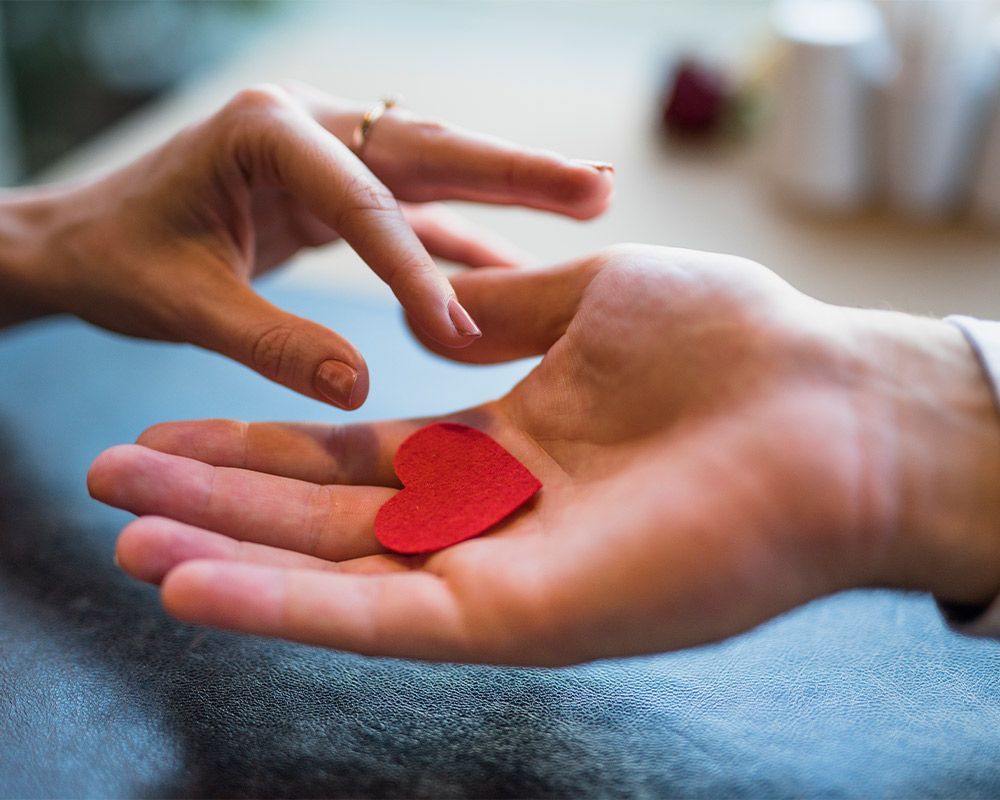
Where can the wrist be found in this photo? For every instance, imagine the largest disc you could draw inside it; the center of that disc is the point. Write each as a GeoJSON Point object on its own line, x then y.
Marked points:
{"type": "Point", "coordinates": [939, 449]}
{"type": "Point", "coordinates": [25, 222]}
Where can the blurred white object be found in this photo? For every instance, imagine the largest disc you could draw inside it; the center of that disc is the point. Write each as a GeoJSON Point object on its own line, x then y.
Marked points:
{"type": "Point", "coordinates": [934, 102]}
{"type": "Point", "coordinates": [984, 200]}
{"type": "Point", "coordinates": [834, 55]}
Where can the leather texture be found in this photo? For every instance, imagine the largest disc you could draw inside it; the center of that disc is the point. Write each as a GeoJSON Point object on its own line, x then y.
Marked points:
{"type": "Point", "coordinates": [866, 694]}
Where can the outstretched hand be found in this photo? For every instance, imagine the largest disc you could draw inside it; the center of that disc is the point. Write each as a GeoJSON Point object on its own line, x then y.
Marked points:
{"type": "Point", "coordinates": [166, 247]}
{"type": "Point", "coordinates": [715, 448]}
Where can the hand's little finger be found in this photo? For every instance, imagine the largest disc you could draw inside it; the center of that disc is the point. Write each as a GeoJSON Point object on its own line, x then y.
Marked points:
{"type": "Point", "coordinates": [411, 615]}
{"type": "Point", "coordinates": [150, 547]}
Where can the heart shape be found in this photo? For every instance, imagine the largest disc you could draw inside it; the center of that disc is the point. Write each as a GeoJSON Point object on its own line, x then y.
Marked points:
{"type": "Point", "coordinates": [458, 483]}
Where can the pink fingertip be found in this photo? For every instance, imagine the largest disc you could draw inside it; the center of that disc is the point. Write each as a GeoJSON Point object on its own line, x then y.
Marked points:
{"type": "Point", "coordinates": [462, 321]}
{"type": "Point", "coordinates": [241, 597]}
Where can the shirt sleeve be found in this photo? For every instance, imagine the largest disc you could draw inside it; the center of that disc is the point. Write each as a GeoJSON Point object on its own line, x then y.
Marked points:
{"type": "Point", "coordinates": [984, 338]}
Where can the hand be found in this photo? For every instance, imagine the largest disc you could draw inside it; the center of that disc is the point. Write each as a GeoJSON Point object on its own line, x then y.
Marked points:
{"type": "Point", "coordinates": [166, 247]}
{"type": "Point", "coordinates": [715, 448]}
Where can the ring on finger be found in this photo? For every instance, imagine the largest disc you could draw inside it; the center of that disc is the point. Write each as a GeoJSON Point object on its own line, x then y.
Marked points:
{"type": "Point", "coordinates": [368, 120]}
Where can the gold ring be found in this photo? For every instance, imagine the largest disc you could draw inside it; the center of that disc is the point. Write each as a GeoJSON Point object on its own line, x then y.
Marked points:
{"type": "Point", "coordinates": [368, 120]}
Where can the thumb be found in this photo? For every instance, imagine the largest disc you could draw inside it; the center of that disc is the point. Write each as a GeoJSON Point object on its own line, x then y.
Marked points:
{"type": "Point", "coordinates": [290, 350]}
{"type": "Point", "coordinates": [521, 313]}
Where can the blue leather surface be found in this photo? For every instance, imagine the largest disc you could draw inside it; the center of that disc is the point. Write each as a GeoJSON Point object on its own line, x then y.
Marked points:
{"type": "Point", "coordinates": [866, 694]}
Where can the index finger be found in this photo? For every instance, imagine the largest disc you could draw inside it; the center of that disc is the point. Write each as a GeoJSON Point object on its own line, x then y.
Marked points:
{"type": "Point", "coordinates": [360, 454]}
{"type": "Point", "coordinates": [356, 455]}
{"type": "Point", "coordinates": [274, 141]}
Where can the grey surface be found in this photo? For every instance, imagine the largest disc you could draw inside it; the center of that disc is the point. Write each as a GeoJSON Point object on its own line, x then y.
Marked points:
{"type": "Point", "coordinates": [101, 695]}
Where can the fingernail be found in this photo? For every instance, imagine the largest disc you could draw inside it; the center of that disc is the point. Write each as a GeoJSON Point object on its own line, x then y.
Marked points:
{"type": "Point", "coordinates": [336, 380]}
{"type": "Point", "coordinates": [600, 166]}
{"type": "Point", "coordinates": [461, 320]}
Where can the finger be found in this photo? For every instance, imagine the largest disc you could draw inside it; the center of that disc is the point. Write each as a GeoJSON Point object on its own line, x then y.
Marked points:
{"type": "Point", "coordinates": [278, 143]}
{"type": "Point", "coordinates": [359, 454]}
{"type": "Point", "coordinates": [522, 312]}
{"type": "Point", "coordinates": [330, 522]}
{"type": "Point", "coordinates": [411, 615]}
{"type": "Point", "coordinates": [282, 347]}
{"type": "Point", "coordinates": [451, 236]}
{"type": "Point", "coordinates": [447, 163]}
{"type": "Point", "coordinates": [353, 455]}
{"type": "Point", "coordinates": [150, 547]}
{"type": "Point", "coordinates": [421, 159]}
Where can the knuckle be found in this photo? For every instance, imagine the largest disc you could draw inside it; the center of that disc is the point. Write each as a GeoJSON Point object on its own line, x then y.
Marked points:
{"type": "Point", "coordinates": [427, 128]}
{"type": "Point", "coordinates": [413, 270]}
{"type": "Point", "coordinates": [420, 130]}
{"type": "Point", "coordinates": [247, 125]}
{"type": "Point", "coordinates": [363, 198]}
{"type": "Point", "coordinates": [270, 351]}
{"type": "Point", "coordinates": [370, 195]}
{"type": "Point", "coordinates": [252, 111]}
{"type": "Point", "coordinates": [264, 97]}
{"type": "Point", "coordinates": [323, 512]}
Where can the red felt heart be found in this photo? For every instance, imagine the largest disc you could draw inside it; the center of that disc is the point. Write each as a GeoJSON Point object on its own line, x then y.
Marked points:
{"type": "Point", "coordinates": [458, 483]}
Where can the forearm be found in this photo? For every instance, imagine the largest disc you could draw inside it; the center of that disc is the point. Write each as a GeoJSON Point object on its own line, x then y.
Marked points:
{"type": "Point", "coordinates": [25, 233]}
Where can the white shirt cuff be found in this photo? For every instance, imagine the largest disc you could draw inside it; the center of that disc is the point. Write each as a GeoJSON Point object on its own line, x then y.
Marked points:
{"type": "Point", "coordinates": [984, 338]}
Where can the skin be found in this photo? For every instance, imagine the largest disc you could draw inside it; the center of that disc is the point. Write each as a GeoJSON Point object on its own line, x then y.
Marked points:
{"type": "Point", "coordinates": [166, 247]}
{"type": "Point", "coordinates": [715, 448]}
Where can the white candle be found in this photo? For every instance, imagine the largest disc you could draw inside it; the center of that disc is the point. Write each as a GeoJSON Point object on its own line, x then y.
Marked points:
{"type": "Point", "coordinates": [821, 138]}
{"type": "Point", "coordinates": [934, 102]}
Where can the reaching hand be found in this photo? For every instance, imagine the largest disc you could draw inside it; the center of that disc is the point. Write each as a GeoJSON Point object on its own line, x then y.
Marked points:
{"type": "Point", "coordinates": [715, 448]}
{"type": "Point", "coordinates": [165, 248]}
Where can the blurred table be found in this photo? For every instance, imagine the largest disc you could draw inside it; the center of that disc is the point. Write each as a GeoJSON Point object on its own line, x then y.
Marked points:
{"type": "Point", "coordinates": [583, 78]}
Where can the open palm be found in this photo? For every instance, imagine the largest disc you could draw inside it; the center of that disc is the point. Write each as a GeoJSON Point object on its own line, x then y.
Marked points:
{"type": "Point", "coordinates": [706, 458]}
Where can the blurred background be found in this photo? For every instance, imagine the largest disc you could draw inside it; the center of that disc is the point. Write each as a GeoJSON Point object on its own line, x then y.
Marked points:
{"type": "Point", "coordinates": [74, 67]}
{"type": "Point", "coordinates": [850, 145]}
